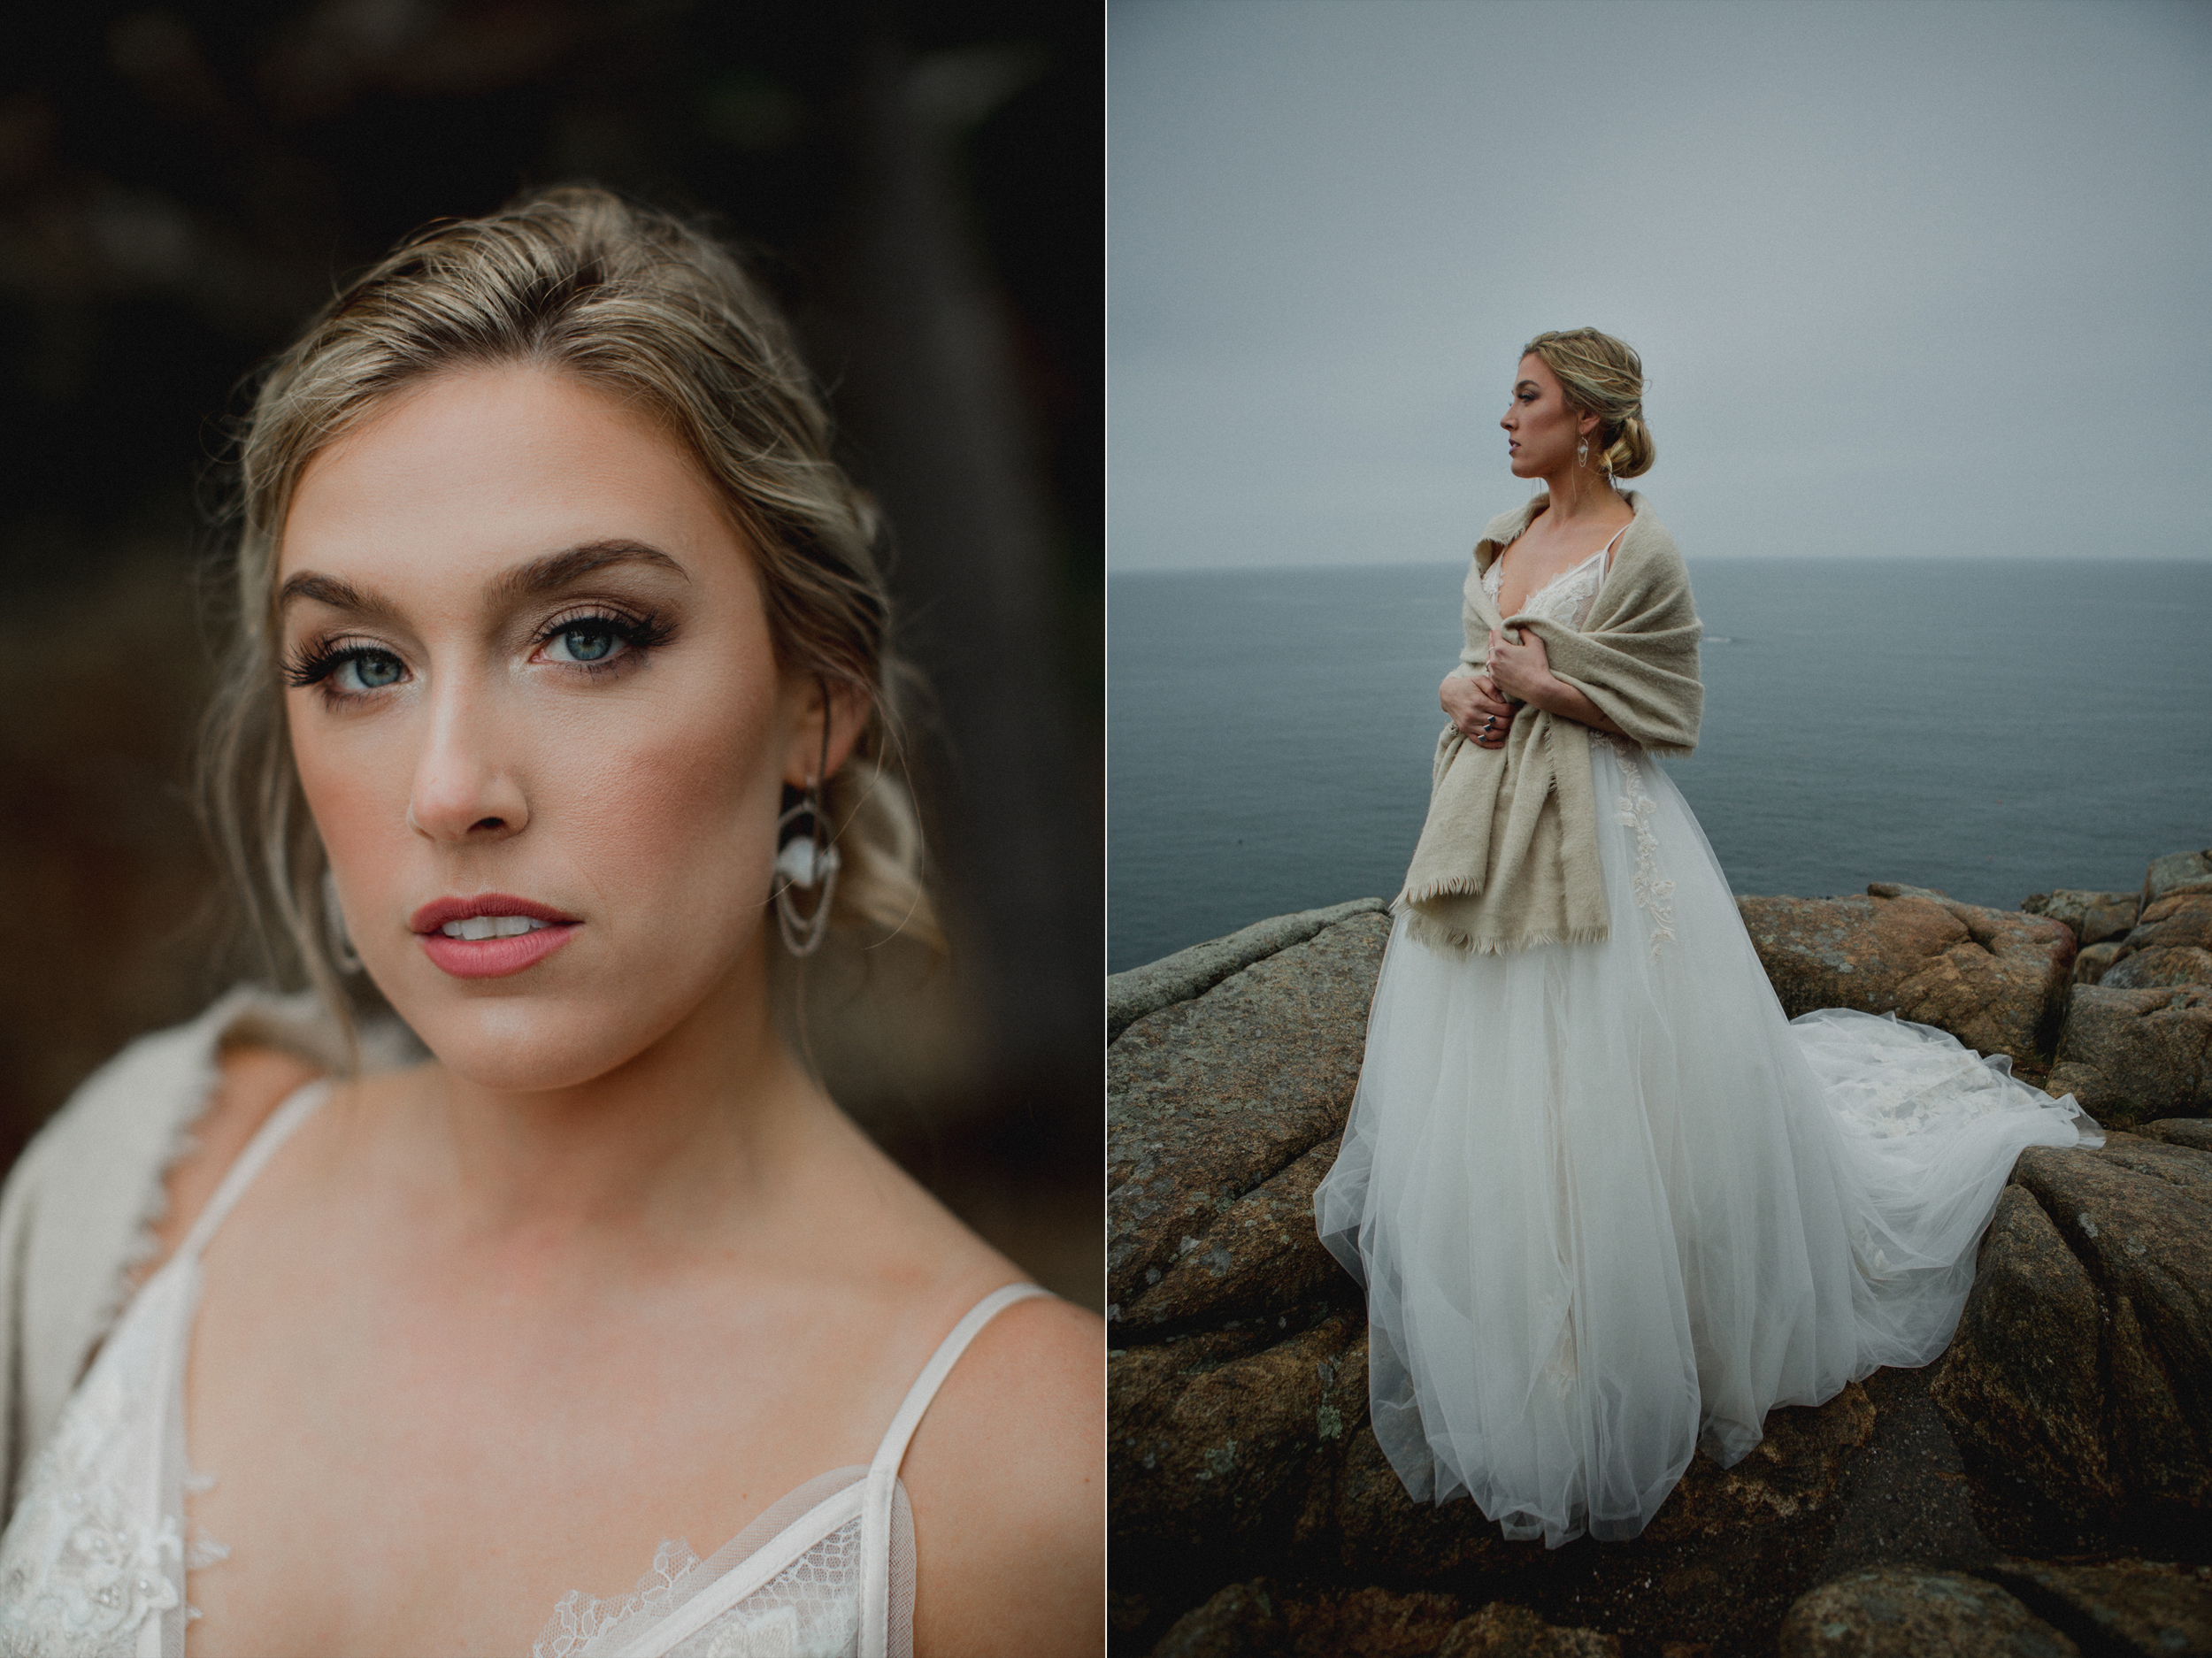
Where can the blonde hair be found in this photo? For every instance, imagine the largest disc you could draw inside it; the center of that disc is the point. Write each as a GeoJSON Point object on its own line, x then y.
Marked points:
{"type": "Point", "coordinates": [634, 302]}
{"type": "Point", "coordinates": [1604, 377]}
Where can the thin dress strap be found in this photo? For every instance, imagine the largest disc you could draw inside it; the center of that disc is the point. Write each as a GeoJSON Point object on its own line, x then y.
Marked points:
{"type": "Point", "coordinates": [299, 1106]}
{"type": "Point", "coordinates": [883, 1473]}
{"type": "Point", "coordinates": [1606, 569]}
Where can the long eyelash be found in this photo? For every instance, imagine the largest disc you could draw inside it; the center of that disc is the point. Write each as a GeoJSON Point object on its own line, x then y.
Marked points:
{"type": "Point", "coordinates": [315, 662]}
{"type": "Point", "coordinates": [640, 633]}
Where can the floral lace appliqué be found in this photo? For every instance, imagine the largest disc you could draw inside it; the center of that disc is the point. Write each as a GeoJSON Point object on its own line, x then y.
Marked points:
{"type": "Point", "coordinates": [83, 1568]}
{"type": "Point", "coordinates": [810, 1609]}
{"type": "Point", "coordinates": [1653, 892]}
{"type": "Point", "coordinates": [581, 1618]}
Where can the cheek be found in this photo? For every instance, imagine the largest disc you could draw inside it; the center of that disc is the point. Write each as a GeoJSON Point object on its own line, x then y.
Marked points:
{"type": "Point", "coordinates": [672, 814]}
{"type": "Point", "coordinates": [356, 785]}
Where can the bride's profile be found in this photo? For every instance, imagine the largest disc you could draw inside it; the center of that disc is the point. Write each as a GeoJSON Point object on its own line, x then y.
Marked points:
{"type": "Point", "coordinates": [561, 721]}
{"type": "Point", "coordinates": [1608, 1204]}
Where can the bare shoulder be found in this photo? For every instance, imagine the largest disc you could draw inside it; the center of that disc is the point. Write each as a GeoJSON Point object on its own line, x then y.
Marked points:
{"type": "Point", "coordinates": [1007, 1474]}
{"type": "Point", "coordinates": [252, 1082]}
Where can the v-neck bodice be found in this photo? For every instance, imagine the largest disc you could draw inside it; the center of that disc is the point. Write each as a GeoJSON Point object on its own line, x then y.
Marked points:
{"type": "Point", "coordinates": [93, 1561]}
{"type": "Point", "coordinates": [1567, 597]}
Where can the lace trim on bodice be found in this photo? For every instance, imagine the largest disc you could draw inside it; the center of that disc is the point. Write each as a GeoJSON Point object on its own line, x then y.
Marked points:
{"type": "Point", "coordinates": [1565, 599]}
{"type": "Point", "coordinates": [98, 1548]}
{"type": "Point", "coordinates": [787, 1586]}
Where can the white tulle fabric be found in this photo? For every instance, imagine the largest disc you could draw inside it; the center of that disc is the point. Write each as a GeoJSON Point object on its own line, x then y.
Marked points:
{"type": "Point", "coordinates": [1610, 1206]}
{"type": "Point", "coordinates": [93, 1561]}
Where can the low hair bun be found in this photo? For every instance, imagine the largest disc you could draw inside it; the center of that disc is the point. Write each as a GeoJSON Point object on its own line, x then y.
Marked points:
{"type": "Point", "coordinates": [1631, 453]}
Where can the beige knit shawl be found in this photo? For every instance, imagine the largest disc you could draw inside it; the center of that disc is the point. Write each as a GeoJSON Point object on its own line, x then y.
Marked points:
{"type": "Point", "coordinates": [1508, 855]}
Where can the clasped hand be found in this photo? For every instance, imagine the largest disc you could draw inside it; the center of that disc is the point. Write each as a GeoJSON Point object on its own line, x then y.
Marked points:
{"type": "Point", "coordinates": [1482, 706]}
{"type": "Point", "coordinates": [1477, 709]}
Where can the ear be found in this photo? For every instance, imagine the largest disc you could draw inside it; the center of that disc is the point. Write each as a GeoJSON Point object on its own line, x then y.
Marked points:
{"type": "Point", "coordinates": [1588, 423]}
{"type": "Point", "coordinates": [847, 711]}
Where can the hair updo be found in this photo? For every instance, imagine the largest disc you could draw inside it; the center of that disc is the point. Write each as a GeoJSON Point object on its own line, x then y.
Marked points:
{"type": "Point", "coordinates": [1604, 377]}
{"type": "Point", "coordinates": [634, 302]}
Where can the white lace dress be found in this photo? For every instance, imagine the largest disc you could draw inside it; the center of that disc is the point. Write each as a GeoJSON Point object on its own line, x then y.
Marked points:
{"type": "Point", "coordinates": [1610, 1205]}
{"type": "Point", "coordinates": [93, 1561]}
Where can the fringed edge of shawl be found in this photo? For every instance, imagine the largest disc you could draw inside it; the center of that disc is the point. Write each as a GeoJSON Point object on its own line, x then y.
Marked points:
{"type": "Point", "coordinates": [1451, 940]}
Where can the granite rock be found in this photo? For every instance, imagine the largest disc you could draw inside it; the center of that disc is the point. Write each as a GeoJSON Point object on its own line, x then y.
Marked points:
{"type": "Point", "coordinates": [1995, 978]}
{"type": "Point", "coordinates": [1793, 1471]}
{"type": "Point", "coordinates": [1504, 1631]}
{"type": "Point", "coordinates": [2020, 1381]}
{"type": "Point", "coordinates": [1257, 1619]}
{"type": "Point", "coordinates": [2148, 969]}
{"type": "Point", "coordinates": [1215, 1443]}
{"type": "Point", "coordinates": [2094, 916]}
{"type": "Point", "coordinates": [1257, 1258]}
{"type": "Point", "coordinates": [2177, 918]}
{"type": "Point", "coordinates": [1908, 1612]}
{"type": "Point", "coordinates": [2144, 1607]}
{"type": "Point", "coordinates": [2193, 1132]}
{"type": "Point", "coordinates": [1374, 1623]}
{"type": "Point", "coordinates": [1209, 1099]}
{"type": "Point", "coordinates": [2132, 1055]}
{"type": "Point", "coordinates": [1192, 972]}
{"type": "Point", "coordinates": [1379, 1531]}
{"type": "Point", "coordinates": [2170, 944]}
{"type": "Point", "coordinates": [2082, 1364]}
{"type": "Point", "coordinates": [2090, 965]}
{"type": "Point", "coordinates": [1242, 1621]}
{"type": "Point", "coordinates": [2177, 873]}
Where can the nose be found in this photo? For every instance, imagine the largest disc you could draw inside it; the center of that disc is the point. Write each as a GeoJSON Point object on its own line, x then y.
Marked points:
{"type": "Point", "coordinates": [466, 788]}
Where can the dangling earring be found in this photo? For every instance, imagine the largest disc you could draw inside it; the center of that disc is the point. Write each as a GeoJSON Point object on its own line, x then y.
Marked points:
{"type": "Point", "coordinates": [1582, 453]}
{"type": "Point", "coordinates": [335, 931]}
{"type": "Point", "coordinates": [807, 859]}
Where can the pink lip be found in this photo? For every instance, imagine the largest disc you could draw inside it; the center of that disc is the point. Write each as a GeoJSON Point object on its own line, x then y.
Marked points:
{"type": "Point", "coordinates": [490, 958]}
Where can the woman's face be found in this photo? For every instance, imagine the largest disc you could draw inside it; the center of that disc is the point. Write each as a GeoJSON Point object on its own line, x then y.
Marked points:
{"type": "Point", "coordinates": [1542, 431]}
{"type": "Point", "coordinates": [532, 693]}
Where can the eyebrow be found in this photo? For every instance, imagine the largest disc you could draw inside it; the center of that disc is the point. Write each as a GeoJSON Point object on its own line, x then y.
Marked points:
{"type": "Point", "coordinates": [548, 574]}
{"type": "Point", "coordinates": [557, 570]}
{"type": "Point", "coordinates": [1527, 385]}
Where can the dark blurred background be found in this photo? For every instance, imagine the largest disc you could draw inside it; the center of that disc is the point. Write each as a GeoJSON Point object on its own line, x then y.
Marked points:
{"type": "Point", "coordinates": [181, 185]}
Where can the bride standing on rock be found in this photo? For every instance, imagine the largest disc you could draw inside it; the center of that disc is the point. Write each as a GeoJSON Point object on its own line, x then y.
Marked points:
{"type": "Point", "coordinates": [1608, 1204]}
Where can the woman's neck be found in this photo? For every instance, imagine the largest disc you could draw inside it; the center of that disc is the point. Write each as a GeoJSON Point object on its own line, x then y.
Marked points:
{"type": "Point", "coordinates": [689, 1135]}
{"type": "Point", "coordinates": [1581, 496]}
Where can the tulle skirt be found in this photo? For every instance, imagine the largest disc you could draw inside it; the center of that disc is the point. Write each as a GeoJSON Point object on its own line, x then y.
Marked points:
{"type": "Point", "coordinates": [1610, 1205]}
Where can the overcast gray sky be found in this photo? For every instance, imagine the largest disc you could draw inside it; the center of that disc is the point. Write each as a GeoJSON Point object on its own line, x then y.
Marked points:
{"type": "Point", "coordinates": [1931, 278]}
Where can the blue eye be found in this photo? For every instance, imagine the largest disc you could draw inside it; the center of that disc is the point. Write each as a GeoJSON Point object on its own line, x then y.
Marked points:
{"type": "Point", "coordinates": [593, 641]}
{"type": "Point", "coordinates": [604, 642]}
{"type": "Point", "coordinates": [368, 671]}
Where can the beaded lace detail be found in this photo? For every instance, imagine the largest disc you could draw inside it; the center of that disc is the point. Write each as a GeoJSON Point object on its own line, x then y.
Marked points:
{"type": "Point", "coordinates": [92, 1553]}
{"type": "Point", "coordinates": [1652, 891]}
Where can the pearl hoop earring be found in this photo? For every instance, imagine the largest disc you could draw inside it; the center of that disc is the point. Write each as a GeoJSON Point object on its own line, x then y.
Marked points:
{"type": "Point", "coordinates": [806, 859]}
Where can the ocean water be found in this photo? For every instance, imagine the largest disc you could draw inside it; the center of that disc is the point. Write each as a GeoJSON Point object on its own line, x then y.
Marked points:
{"type": "Point", "coordinates": [1990, 727]}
